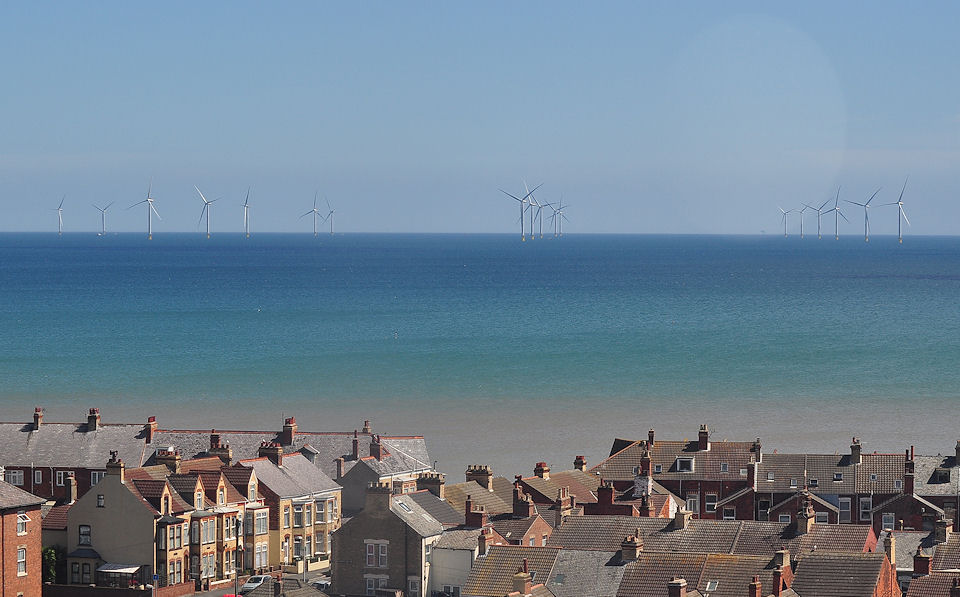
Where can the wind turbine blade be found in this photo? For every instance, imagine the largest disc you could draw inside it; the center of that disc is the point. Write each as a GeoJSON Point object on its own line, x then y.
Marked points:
{"type": "Point", "coordinates": [201, 214]}
{"type": "Point", "coordinates": [534, 189]}
{"type": "Point", "coordinates": [509, 195]}
{"type": "Point", "coordinates": [843, 216]}
{"type": "Point", "coordinates": [201, 195]}
{"type": "Point", "coordinates": [245, 201]}
{"type": "Point", "coordinates": [855, 203]}
{"type": "Point", "coordinates": [872, 196]}
{"type": "Point", "coordinates": [62, 199]}
{"type": "Point", "coordinates": [823, 204]}
{"type": "Point", "coordinates": [155, 211]}
{"type": "Point", "coordinates": [137, 203]}
{"type": "Point", "coordinates": [328, 204]}
{"type": "Point", "coordinates": [903, 189]}
{"type": "Point", "coordinates": [315, 195]}
{"type": "Point", "coordinates": [108, 206]}
{"type": "Point", "coordinates": [306, 214]}
{"type": "Point", "coordinates": [904, 214]}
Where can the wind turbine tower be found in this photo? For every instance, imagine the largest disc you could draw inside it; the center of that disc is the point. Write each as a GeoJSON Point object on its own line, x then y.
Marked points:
{"type": "Point", "coordinates": [900, 212]}
{"type": "Point", "coordinates": [837, 215]}
{"type": "Point", "coordinates": [103, 218]}
{"type": "Point", "coordinates": [207, 208]}
{"type": "Point", "coordinates": [866, 214]}
{"type": "Point", "coordinates": [246, 214]}
{"type": "Point", "coordinates": [820, 213]}
{"type": "Point", "coordinates": [150, 211]}
{"type": "Point", "coordinates": [329, 215]}
{"type": "Point", "coordinates": [523, 204]}
{"type": "Point", "coordinates": [802, 209]}
{"type": "Point", "coordinates": [783, 219]}
{"type": "Point", "coordinates": [315, 213]}
{"type": "Point", "coordinates": [60, 216]}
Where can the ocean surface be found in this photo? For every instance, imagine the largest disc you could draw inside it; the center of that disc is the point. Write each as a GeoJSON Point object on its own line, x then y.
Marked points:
{"type": "Point", "coordinates": [499, 352]}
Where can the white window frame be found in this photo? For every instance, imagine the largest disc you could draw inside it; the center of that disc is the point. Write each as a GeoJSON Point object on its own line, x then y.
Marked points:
{"type": "Point", "coordinates": [729, 513]}
{"type": "Point", "coordinates": [891, 517]}
{"type": "Point", "coordinates": [22, 520]}
{"type": "Point", "coordinates": [96, 477]}
{"type": "Point", "coordinates": [684, 465]}
{"type": "Point", "coordinates": [13, 477]}
{"type": "Point", "coordinates": [382, 562]}
{"type": "Point", "coordinates": [693, 500]}
{"type": "Point", "coordinates": [81, 535]}
{"type": "Point", "coordinates": [710, 502]}
{"type": "Point", "coordinates": [838, 477]}
{"type": "Point", "coordinates": [37, 477]}
{"type": "Point", "coordinates": [21, 561]}
{"type": "Point", "coordinates": [782, 518]}
{"type": "Point", "coordinates": [413, 586]}
{"type": "Point", "coordinates": [848, 510]}
{"type": "Point", "coordinates": [101, 502]}
{"type": "Point", "coordinates": [822, 517]}
{"type": "Point", "coordinates": [866, 506]}
{"type": "Point", "coordinates": [771, 476]}
{"type": "Point", "coordinates": [658, 468]}
{"type": "Point", "coordinates": [724, 467]}
{"type": "Point", "coordinates": [62, 477]}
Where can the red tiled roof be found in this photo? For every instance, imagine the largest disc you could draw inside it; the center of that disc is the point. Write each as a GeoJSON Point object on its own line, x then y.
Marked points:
{"type": "Point", "coordinates": [56, 518]}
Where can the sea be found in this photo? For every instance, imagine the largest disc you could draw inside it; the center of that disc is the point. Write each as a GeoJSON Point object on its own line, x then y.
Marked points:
{"type": "Point", "coordinates": [498, 351]}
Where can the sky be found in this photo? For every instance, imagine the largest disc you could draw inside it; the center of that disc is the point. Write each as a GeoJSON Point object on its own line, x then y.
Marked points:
{"type": "Point", "coordinates": [686, 117]}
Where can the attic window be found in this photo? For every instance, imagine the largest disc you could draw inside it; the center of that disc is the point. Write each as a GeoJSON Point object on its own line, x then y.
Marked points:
{"type": "Point", "coordinates": [770, 476]}
{"type": "Point", "coordinates": [684, 465]}
{"type": "Point", "coordinates": [724, 467]}
{"type": "Point", "coordinates": [873, 477]}
{"type": "Point", "coordinates": [743, 472]}
{"type": "Point", "coordinates": [839, 477]}
{"type": "Point", "coordinates": [941, 475]}
{"type": "Point", "coordinates": [658, 468]}
{"type": "Point", "coordinates": [897, 484]}
{"type": "Point", "coordinates": [793, 482]}
{"type": "Point", "coordinates": [712, 585]}
{"type": "Point", "coordinates": [404, 506]}
{"type": "Point", "coordinates": [813, 483]}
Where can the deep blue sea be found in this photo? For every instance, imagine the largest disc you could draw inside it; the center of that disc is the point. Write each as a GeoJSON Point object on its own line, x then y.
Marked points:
{"type": "Point", "coordinates": [500, 352]}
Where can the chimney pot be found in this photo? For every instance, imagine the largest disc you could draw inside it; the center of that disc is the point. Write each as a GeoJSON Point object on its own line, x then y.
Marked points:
{"type": "Point", "coordinates": [755, 589]}
{"type": "Point", "coordinates": [650, 435]}
{"type": "Point", "coordinates": [366, 427]}
{"type": "Point", "coordinates": [481, 474]}
{"type": "Point", "coordinates": [93, 419]}
{"type": "Point", "coordinates": [37, 418]}
{"type": "Point", "coordinates": [630, 548]}
{"type": "Point", "coordinates": [376, 448]}
{"type": "Point", "coordinates": [356, 445]}
{"type": "Point", "coordinates": [273, 451]}
{"type": "Point", "coordinates": [677, 587]}
{"type": "Point", "coordinates": [856, 451]}
{"type": "Point", "coordinates": [580, 463]}
{"type": "Point", "coordinates": [890, 547]}
{"type": "Point", "coordinates": [542, 470]}
{"type": "Point", "coordinates": [921, 563]}
{"type": "Point", "coordinates": [289, 431]}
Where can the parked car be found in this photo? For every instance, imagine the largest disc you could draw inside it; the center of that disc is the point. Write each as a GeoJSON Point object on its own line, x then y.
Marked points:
{"type": "Point", "coordinates": [252, 583]}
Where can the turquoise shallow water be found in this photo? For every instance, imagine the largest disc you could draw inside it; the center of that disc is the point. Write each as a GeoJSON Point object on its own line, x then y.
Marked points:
{"type": "Point", "coordinates": [498, 351]}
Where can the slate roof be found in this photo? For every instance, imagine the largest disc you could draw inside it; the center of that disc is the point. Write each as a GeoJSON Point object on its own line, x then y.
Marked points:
{"type": "Point", "coordinates": [905, 545]}
{"type": "Point", "coordinates": [937, 584]}
{"type": "Point", "coordinates": [838, 575]}
{"type": "Point", "coordinates": [56, 518]}
{"type": "Point", "coordinates": [927, 481]}
{"type": "Point", "coordinates": [419, 520]}
{"type": "Point", "coordinates": [14, 497]}
{"type": "Point", "coordinates": [292, 587]}
{"type": "Point", "coordinates": [622, 465]}
{"type": "Point", "coordinates": [456, 495]}
{"type": "Point", "coordinates": [297, 477]}
{"type": "Point", "coordinates": [70, 445]}
{"type": "Point", "coordinates": [458, 539]}
{"type": "Point", "coordinates": [650, 573]}
{"type": "Point", "coordinates": [743, 537]}
{"type": "Point", "coordinates": [585, 574]}
{"type": "Point", "coordinates": [492, 574]}
{"type": "Point", "coordinates": [887, 468]}
{"type": "Point", "coordinates": [442, 511]}
{"type": "Point", "coordinates": [582, 485]}
{"type": "Point", "coordinates": [513, 529]}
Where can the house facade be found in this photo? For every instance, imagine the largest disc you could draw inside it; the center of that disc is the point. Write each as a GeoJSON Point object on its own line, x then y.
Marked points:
{"type": "Point", "coordinates": [20, 538]}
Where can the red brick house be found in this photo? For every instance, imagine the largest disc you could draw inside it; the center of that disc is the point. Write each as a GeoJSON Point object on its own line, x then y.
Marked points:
{"type": "Point", "coordinates": [20, 536]}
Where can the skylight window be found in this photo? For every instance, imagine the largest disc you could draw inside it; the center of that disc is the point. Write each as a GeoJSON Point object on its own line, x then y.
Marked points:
{"type": "Point", "coordinates": [712, 585]}
{"type": "Point", "coordinates": [404, 507]}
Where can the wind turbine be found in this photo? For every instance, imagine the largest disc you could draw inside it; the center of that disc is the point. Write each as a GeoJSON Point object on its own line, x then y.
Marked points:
{"type": "Point", "coordinates": [103, 218]}
{"type": "Point", "coordinates": [866, 214]}
{"type": "Point", "coordinates": [329, 215]}
{"type": "Point", "coordinates": [206, 210]}
{"type": "Point", "coordinates": [150, 211]}
{"type": "Point", "coordinates": [246, 216]}
{"type": "Point", "coordinates": [801, 210]}
{"type": "Point", "coordinates": [900, 212]}
{"type": "Point", "coordinates": [837, 215]}
{"type": "Point", "coordinates": [59, 211]}
{"type": "Point", "coordinates": [523, 203]}
{"type": "Point", "coordinates": [315, 213]}
{"type": "Point", "coordinates": [820, 213]}
{"type": "Point", "coordinates": [558, 214]}
{"type": "Point", "coordinates": [783, 219]}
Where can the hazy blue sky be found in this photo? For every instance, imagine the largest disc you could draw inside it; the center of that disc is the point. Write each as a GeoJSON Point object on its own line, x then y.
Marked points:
{"type": "Point", "coordinates": [666, 117]}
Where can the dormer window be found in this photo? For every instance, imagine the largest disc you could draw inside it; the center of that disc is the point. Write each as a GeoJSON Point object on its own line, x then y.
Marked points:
{"type": "Point", "coordinates": [658, 468]}
{"type": "Point", "coordinates": [897, 484]}
{"type": "Point", "coordinates": [198, 500]}
{"type": "Point", "coordinates": [941, 475]}
{"type": "Point", "coordinates": [771, 476]}
{"type": "Point", "coordinates": [252, 492]}
{"type": "Point", "coordinates": [873, 477]}
{"type": "Point", "coordinates": [684, 465]}
{"type": "Point", "coordinates": [839, 477]}
{"type": "Point", "coordinates": [221, 496]}
{"type": "Point", "coordinates": [813, 483]}
{"type": "Point", "coordinates": [724, 467]}
{"type": "Point", "coordinates": [793, 483]}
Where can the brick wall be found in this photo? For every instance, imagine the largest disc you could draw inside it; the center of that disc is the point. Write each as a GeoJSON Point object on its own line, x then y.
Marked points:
{"type": "Point", "coordinates": [29, 584]}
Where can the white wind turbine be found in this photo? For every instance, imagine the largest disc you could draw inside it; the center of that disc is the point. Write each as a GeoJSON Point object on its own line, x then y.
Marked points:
{"type": "Point", "coordinates": [900, 212]}
{"type": "Point", "coordinates": [783, 219]}
{"type": "Point", "coordinates": [103, 218]}
{"type": "Point", "coordinates": [523, 203]}
{"type": "Point", "coordinates": [207, 208]}
{"type": "Point", "coordinates": [315, 212]}
{"type": "Point", "coordinates": [800, 211]}
{"type": "Point", "coordinates": [150, 211]}
{"type": "Point", "coordinates": [837, 215]}
{"type": "Point", "coordinates": [820, 213]}
{"type": "Point", "coordinates": [59, 211]}
{"type": "Point", "coordinates": [866, 214]}
{"type": "Point", "coordinates": [246, 214]}
{"type": "Point", "coordinates": [559, 217]}
{"type": "Point", "coordinates": [329, 215]}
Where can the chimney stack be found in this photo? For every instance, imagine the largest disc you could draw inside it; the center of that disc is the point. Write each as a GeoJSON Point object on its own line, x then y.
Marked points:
{"type": "Point", "coordinates": [115, 465]}
{"type": "Point", "coordinates": [376, 448]}
{"type": "Point", "coordinates": [645, 462]}
{"type": "Point", "coordinates": [605, 494]}
{"type": "Point", "coordinates": [856, 449]}
{"type": "Point", "coordinates": [475, 517]}
{"type": "Point", "coordinates": [677, 587]}
{"type": "Point", "coordinates": [781, 559]}
{"type": "Point", "coordinates": [941, 530]}
{"type": "Point", "coordinates": [650, 438]}
{"type": "Point", "coordinates": [630, 548]}
{"type": "Point", "coordinates": [921, 563]}
{"type": "Point", "coordinates": [956, 458]}
{"type": "Point", "coordinates": [580, 463]}
{"type": "Point", "coordinates": [378, 496]}
{"type": "Point", "coordinates": [289, 431]}
{"type": "Point", "coordinates": [642, 485]}
{"type": "Point", "coordinates": [273, 451]}
{"type": "Point", "coordinates": [542, 470]}
{"type": "Point", "coordinates": [522, 581]}
{"type": "Point", "coordinates": [150, 428]}
{"type": "Point", "coordinates": [757, 450]}
{"type": "Point", "coordinates": [805, 517]}
{"type": "Point", "coordinates": [908, 470]}
{"type": "Point", "coordinates": [367, 428]}
{"type": "Point", "coordinates": [341, 468]}
{"type": "Point", "coordinates": [482, 474]}
{"type": "Point", "coordinates": [38, 418]}
{"type": "Point", "coordinates": [681, 519]}
{"type": "Point", "coordinates": [93, 419]}
{"type": "Point", "coordinates": [356, 445]}
{"type": "Point", "coordinates": [890, 547]}
{"type": "Point", "coordinates": [219, 449]}
{"type": "Point", "coordinates": [755, 588]}
{"type": "Point", "coordinates": [523, 506]}
{"type": "Point", "coordinates": [432, 482]}
{"type": "Point", "coordinates": [170, 458]}
{"type": "Point", "coordinates": [71, 488]}
{"type": "Point", "coordinates": [704, 439]}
